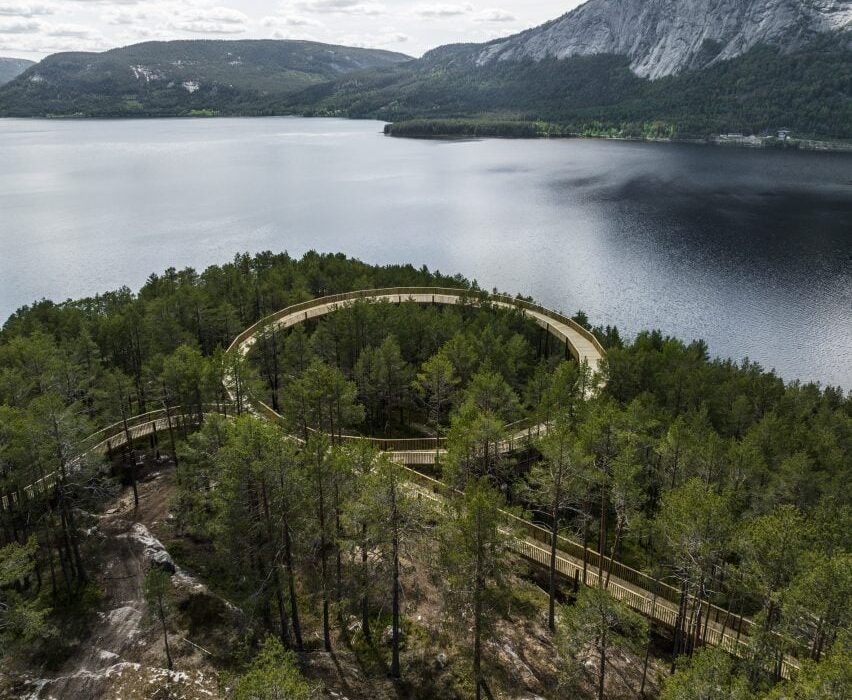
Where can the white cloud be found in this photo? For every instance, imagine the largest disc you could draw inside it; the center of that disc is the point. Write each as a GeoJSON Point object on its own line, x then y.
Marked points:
{"type": "Point", "coordinates": [19, 26]}
{"type": "Point", "coordinates": [495, 15]}
{"type": "Point", "coordinates": [70, 31]}
{"type": "Point", "coordinates": [349, 7]}
{"type": "Point", "coordinates": [125, 17]}
{"type": "Point", "coordinates": [18, 9]}
{"type": "Point", "coordinates": [384, 37]}
{"type": "Point", "coordinates": [289, 21]}
{"type": "Point", "coordinates": [106, 2]}
{"type": "Point", "coordinates": [37, 44]}
{"type": "Point", "coordinates": [296, 35]}
{"type": "Point", "coordinates": [441, 10]}
{"type": "Point", "coordinates": [215, 20]}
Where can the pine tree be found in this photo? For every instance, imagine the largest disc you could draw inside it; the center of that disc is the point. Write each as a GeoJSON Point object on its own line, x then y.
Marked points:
{"type": "Point", "coordinates": [473, 558]}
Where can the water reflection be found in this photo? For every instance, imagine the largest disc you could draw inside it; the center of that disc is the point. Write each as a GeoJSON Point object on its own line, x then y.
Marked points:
{"type": "Point", "coordinates": [745, 249]}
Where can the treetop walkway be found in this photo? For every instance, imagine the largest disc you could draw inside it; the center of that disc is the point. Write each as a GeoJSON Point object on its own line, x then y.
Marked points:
{"type": "Point", "coordinates": [650, 596]}
{"type": "Point", "coordinates": [580, 342]}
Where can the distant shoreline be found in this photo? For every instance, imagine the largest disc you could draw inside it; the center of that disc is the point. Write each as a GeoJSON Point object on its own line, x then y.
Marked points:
{"type": "Point", "coordinates": [452, 130]}
{"type": "Point", "coordinates": [808, 145]}
{"type": "Point", "coordinates": [472, 129]}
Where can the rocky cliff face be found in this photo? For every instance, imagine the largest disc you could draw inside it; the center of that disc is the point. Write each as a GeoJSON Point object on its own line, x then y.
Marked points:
{"type": "Point", "coordinates": [663, 37]}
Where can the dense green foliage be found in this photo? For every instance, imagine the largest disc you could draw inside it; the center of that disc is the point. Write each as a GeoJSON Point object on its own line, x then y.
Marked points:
{"type": "Point", "coordinates": [809, 91]}
{"type": "Point", "coordinates": [274, 675]}
{"type": "Point", "coordinates": [599, 622]}
{"type": "Point", "coordinates": [409, 364]}
{"type": "Point", "coordinates": [66, 369]}
{"type": "Point", "coordinates": [181, 78]}
{"type": "Point", "coordinates": [709, 675]}
{"type": "Point", "coordinates": [484, 127]}
{"type": "Point", "coordinates": [716, 477]}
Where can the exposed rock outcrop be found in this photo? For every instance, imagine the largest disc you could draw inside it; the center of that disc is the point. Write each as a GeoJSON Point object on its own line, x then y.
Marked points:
{"type": "Point", "coordinates": [663, 37]}
{"type": "Point", "coordinates": [153, 551]}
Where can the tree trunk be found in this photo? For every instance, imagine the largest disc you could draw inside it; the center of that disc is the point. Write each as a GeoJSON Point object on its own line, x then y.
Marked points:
{"type": "Point", "coordinates": [648, 648]}
{"type": "Point", "coordinates": [171, 431]}
{"type": "Point", "coordinates": [602, 536]}
{"type": "Point", "coordinates": [326, 631]}
{"type": "Point", "coordinates": [71, 530]}
{"type": "Point", "coordinates": [554, 536]}
{"type": "Point", "coordinates": [291, 586]}
{"type": "Point", "coordinates": [365, 598]}
{"type": "Point", "coordinates": [276, 579]}
{"type": "Point", "coordinates": [49, 542]}
{"type": "Point", "coordinates": [338, 558]}
{"type": "Point", "coordinates": [162, 616]}
{"type": "Point", "coordinates": [395, 670]}
{"type": "Point", "coordinates": [477, 612]}
{"type": "Point", "coordinates": [585, 542]}
{"type": "Point", "coordinates": [817, 637]}
{"type": "Point", "coordinates": [681, 613]}
{"type": "Point", "coordinates": [618, 531]}
{"type": "Point", "coordinates": [551, 589]}
{"type": "Point", "coordinates": [129, 441]}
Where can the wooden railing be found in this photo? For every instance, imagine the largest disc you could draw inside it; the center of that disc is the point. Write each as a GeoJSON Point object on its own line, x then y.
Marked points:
{"type": "Point", "coordinates": [106, 439]}
{"type": "Point", "coordinates": [655, 599]}
{"type": "Point", "coordinates": [403, 294]}
{"type": "Point", "coordinates": [650, 597]}
{"type": "Point", "coordinates": [423, 445]}
{"type": "Point", "coordinates": [520, 435]}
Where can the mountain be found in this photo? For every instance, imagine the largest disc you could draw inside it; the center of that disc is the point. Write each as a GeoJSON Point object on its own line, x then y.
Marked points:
{"type": "Point", "coordinates": [665, 37]}
{"type": "Point", "coordinates": [625, 68]}
{"type": "Point", "coordinates": [11, 68]}
{"type": "Point", "coordinates": [181, 77]}
{"type": "Point", "coordinates": [659, 68]}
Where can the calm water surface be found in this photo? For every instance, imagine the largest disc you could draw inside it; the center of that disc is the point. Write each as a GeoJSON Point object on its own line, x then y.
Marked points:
{"type": "Point", "coordinates": [751, 251]}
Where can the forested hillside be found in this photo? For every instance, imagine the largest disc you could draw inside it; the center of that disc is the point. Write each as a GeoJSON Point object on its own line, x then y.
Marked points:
{"type": "Point", "coordinates": [178, 78]}
{"type": "Point", "coordinates": [656, 69]}
{"type": "Point", "coordinates": [11, 68]}
{"type": "Point", "coordinates": [714, 477]}
{"type": "Point", "coordinates": [764, 90]}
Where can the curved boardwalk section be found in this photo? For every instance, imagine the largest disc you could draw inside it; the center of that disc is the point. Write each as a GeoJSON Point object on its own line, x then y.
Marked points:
{"type": "Point", "coordinates": [579, 342]}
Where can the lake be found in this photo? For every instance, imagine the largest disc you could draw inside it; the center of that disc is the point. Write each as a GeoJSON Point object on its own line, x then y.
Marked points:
{"type": "Point", "coordinates": [750, 250]}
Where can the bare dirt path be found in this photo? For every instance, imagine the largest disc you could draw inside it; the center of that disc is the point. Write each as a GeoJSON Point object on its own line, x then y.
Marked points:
{"type": "Point", "coordinates": [123, 654]}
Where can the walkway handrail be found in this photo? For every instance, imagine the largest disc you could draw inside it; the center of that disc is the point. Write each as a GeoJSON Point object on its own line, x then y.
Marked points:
{"type": "Point", "coordinates": [472, 294]}
{"type": "Point", "coordinates": [102, 441]}
{"type": "Point", "coordinates": [660, 602]}
{"type": "Point", "coordinates": [399, 446]}
{"type": "Point", "coordinates": [519, 434]}
{"type": "Point", "coordinates": [555, 315]}
{"type": "Point", "coordinates": [118, 426]}
{"type": "Point", "coordinates": [300, 312]}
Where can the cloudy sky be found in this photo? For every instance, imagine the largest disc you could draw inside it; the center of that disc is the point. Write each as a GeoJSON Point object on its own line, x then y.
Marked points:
{"type": "Point", "coordinates": [34, 28]}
